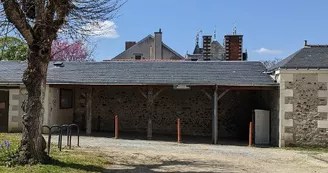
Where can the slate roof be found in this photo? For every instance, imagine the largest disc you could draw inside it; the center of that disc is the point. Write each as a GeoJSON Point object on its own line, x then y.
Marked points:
{"type": "Point", "coordinates": [311, 56]}
{"type": "Point", "coordinates": [223, 73]}
{"type": "Point", "coordinates": [197, 50]}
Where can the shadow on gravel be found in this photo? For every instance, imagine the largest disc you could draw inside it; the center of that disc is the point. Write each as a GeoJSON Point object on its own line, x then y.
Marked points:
{"type": "Point", "coordinates": [171, 167]}
{"type": "Point", "coordinates": [166, 166]}
{"type": "Point", "coordinates": [77, 166]}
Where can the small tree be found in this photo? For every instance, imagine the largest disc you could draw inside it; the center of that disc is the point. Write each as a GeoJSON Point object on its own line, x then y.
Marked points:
{"type": "Point", "coordinates": [66, 51]}
{"type": "Point", "coordinates": [39, 22]}
{"type": "Point", "coordinates": [12, 48]}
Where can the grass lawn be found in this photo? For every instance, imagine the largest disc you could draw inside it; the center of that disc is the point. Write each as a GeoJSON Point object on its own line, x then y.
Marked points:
{"type": "Point", "coordinates": [75, 160]}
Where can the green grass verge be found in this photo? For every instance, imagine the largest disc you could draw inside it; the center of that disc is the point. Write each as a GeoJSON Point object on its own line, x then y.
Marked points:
{"type": "Point", "coordinates": [75, 160]}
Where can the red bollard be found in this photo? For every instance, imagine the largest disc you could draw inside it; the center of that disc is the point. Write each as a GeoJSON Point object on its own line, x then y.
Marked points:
{"type": "Point", "coordinates": [250, 134]}
{"type": "Point", "coordinates": [179, 130]}
{"type": "Point", "coordinates": [116, 126]}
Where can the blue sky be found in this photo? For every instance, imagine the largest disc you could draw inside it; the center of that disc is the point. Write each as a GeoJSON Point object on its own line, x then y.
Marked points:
{"type": "Point", "coordinates": [271, 28]}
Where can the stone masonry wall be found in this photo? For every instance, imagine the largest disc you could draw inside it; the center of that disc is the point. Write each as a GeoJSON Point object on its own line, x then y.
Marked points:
{"type": "Point", "coordinates": [192, 106]}
{"type": "Point", "coordinates": [14, 107]}
{"type": "Point", "coordinates": [16, 99]}
{"type": "Point", "coordinates": [303, 112]}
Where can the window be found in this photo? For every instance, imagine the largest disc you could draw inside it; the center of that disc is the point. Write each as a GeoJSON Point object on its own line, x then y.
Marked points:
{"type": "Point", "coordinates": [138, 57]}
{"type": "Point", "coordinates": [66, 99]}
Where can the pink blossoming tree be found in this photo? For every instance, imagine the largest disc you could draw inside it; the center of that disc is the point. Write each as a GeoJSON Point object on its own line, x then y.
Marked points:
{"type": "Point", "coordinates": [66, 51]}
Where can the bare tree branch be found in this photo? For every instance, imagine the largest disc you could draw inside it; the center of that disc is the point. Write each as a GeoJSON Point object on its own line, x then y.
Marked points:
{"type": "Point", "coordinates": [16, 16]}
{"type": "Point", "coordinates": [40, 22]}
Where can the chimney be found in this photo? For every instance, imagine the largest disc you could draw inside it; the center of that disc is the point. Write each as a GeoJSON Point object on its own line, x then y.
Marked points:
{"type": "Point", "coordinates": [233, 47]}
{"type": "Point", "coordinates": [158, 45]}
{"type": "Point", "coordinates": [207, 40]}
{"type": "Point", "coordinates": [129, 44]}
{"type": "Point", "coordinates": [305, 43]}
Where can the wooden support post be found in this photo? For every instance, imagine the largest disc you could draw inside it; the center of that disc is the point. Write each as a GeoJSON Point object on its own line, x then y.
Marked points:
{"type": "Point", "coordinates": [149, 129]}
{"type": "Point", "coordinates": [116, 127]}
{"type": "Point", "coordinates": [150, 111]}
{"type": "Point", "coordinates": [250, 137]}
{"type": "Point", "coordinates": [89, 112]}
{"type": "Point", "coordinates": [215, 117]}
{"type": "Point", "coordinates": [179, 130]}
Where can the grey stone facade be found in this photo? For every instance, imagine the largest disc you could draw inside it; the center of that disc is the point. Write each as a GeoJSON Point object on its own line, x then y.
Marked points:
{"type": "Point", "coordinates": [15, 113]}
{"type": "Point", "coordinates": [301, 123]}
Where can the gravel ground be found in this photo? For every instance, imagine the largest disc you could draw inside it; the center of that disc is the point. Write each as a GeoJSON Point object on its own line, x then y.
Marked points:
{"type": "Point", "coordinates": [142, 156]}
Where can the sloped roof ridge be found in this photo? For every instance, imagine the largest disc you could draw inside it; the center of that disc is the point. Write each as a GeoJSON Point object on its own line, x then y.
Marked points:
{"type": "Point", "coordinates": [151, 36]}
{"type": "Point", "coordinates": [285, 61]}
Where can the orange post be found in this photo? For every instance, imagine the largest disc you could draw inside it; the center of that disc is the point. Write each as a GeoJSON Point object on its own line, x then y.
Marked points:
{"type": "Point", "coordinates": [179, 130]}
{"type": "Point", "coordinates": [116, 126]}
{"type": "Point", "coordinates": [250, 134]}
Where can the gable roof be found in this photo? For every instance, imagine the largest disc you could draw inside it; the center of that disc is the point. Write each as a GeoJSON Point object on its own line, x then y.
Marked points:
{"type": "Point", "coordinates": [151, 37]}
{"type": "Point", "coordinates": [222, 73]}
{"type": "Point", "coordinates": [311, 56]}
{"type": "Point", "coordinates": [218, 44]}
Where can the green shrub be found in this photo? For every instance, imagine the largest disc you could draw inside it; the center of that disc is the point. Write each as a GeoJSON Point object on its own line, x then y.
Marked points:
{"type": "Point", "coordinates": [8, 153]}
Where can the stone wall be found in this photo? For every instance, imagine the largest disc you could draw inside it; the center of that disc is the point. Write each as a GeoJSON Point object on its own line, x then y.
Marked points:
{"type": "Point", "coordinates": [193, 107]}
{"type": "Point", "coordinates": [56, 115]}
{"type": "Point", "coordinates": [16, 99]}
{"type": "Point", "coordinates": [303, 110]}
{"type": "Point", "coordinates": [14, 106]}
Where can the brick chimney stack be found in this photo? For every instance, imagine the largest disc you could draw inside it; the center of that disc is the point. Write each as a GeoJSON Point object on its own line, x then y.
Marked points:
{"type": "Point", "coordinates": [207, 40]}
{"type": "Point", "coordinates": [129, 44]}
{"type": "Point", "coordinates": [158, 45]}
{"type": "Point", "coordinates": [234, 47]}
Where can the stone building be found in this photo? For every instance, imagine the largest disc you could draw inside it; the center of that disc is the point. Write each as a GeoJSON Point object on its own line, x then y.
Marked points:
{"type": "Point", "coordinates": [303, 78]}
{"type": "Point", "coordinates": [213, 99]}
{"type": "Point", "coordinates": [149, 48]}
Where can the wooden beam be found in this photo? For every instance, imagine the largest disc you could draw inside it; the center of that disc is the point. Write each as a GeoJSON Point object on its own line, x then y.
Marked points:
{"type": "Point", "coordinates": [150, 111]}
{"type": "Point", "coordinates": [89, 112]}
{"type": "Point", "coordinates": [158, 92]}
{"type": "Point", "coordinates": [223, 93]}
{"type": "Point", "coordinates": [142, 93]}
{"type": "Point", "coordinates": [108, 86]}
{"type": "Point", "coordinates": [275, 87]}
{"type": "Point", "coordinates": [215, 117]}
{"type": "Point", "coordinates": [250, 87]}
{"type": "Point", "coordinates": [207, 94]}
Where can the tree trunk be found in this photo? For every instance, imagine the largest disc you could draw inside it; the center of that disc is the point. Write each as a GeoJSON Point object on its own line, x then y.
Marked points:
{"type": "Point", "coordinates": [33, 145]}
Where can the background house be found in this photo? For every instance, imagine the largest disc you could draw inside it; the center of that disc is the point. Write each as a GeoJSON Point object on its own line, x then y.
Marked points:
{"type": "Point", "coordinates": [149, 48]}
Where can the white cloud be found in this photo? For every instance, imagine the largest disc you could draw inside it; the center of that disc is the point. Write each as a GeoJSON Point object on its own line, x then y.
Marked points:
{"type": "Point", "coordinates": [267, 51]}
{"type": "Point", "coordinates": [106, 29]}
